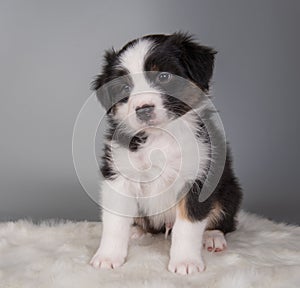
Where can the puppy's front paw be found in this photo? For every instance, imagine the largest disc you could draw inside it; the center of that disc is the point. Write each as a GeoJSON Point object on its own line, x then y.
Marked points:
{"type": "Point", "coordinates": [107, 262]}
{"type": "Point", "coordinates": [185, 267]}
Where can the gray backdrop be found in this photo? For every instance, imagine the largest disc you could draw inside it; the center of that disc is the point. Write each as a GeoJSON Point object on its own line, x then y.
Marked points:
{"type": "Point", "coordinates": [51, 50]}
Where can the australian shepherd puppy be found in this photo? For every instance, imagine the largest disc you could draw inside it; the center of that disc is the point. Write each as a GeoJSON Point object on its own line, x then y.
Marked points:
{"type": "Point", "coordinates": [158, 152]}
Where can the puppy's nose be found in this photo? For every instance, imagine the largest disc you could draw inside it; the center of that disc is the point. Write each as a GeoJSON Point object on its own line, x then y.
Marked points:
{"type": "Point", "coordinates": [144, 112]}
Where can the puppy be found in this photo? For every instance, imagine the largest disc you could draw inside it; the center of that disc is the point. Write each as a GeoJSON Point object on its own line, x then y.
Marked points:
{"type": "Point", "coordinates": [158, 152]}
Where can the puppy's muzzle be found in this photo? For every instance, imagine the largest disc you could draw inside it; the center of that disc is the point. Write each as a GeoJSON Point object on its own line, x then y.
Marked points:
{"type": "Point", "coordinates": [145, 112]}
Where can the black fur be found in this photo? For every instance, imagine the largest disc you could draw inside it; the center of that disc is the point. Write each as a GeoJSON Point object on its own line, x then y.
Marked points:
{"type": "Point", "coordinates": [227, 194]}
{"type": "Point", "coordinates": [106, 169]}
{"type": "Point", "coordinates": [183, 56]}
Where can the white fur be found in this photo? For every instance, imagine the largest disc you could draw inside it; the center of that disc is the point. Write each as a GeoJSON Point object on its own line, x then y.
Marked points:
{"type": "Point", "coordinates": [133, 60]}
{"type": "Point", "coordinates": [185, 253]}
{"type": "Point", "coordinates": [56, 254]}
{"type": "Point", "coordinates": [114, 242]}
{"type": "Point", "coordinates": [113, 246]}
{"type": "Point", "coordinates": [134, 57]}
{"type": "Point", "coordinates": [157, 172]}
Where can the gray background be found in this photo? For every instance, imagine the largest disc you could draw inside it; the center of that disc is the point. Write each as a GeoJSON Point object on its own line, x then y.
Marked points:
{"type": "Point", "coordinates": [51, 50]}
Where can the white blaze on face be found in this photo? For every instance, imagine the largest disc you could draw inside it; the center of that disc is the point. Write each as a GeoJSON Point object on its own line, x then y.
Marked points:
{"type": "Point", "coordinates": [133, 60]}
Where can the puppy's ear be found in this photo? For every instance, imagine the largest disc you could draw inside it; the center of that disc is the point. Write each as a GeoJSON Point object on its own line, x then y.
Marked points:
{"type": "Point", "coordinates": [197, 59]}
{"type": "Point", "coordinates": [110, 57]}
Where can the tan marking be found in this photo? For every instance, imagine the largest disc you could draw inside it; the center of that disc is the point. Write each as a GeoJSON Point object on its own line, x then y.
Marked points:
{"type": "Point", "coordinates": [182, 209]}
{"type": "Point", "coordinates": [154, 68]}
{"type": "Point", "coordinates": [215, 215]}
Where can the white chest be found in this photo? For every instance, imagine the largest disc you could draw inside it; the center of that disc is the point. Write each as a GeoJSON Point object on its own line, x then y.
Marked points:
{"type": "Point", "coordinates": [157, 172]}
{"type": "Point", "coordinates": [168, 159]}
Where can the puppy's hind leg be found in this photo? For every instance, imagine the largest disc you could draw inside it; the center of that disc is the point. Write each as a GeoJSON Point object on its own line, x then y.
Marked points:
{"type": "Point", "coordinates": [214, 241]}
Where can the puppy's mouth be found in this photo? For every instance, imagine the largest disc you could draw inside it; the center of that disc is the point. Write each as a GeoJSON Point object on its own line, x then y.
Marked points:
{"type": "Point", "coordinates": [149, 123]}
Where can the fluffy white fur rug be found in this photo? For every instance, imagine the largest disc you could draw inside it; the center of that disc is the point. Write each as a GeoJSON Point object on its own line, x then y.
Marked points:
{"type": "Point", "coordinates": [260, 253]}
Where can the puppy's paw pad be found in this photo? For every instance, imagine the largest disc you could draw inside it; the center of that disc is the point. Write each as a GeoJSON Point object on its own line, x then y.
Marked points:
{"type": "Point", "coordinates": [214, 241]}
{"type": "Point", "coordinates": [186, 267]}
{"type": "Point", "coordinates": [102, 262]}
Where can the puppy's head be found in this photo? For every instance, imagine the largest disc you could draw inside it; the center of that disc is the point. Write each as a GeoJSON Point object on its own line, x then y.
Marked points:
{"type": "Point", "coordinates": [154, 79]}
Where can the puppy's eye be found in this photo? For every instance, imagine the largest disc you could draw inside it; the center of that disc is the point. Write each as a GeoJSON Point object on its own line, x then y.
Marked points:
{"type": "Point", "coordinates": [125, 89]}
{"type": "Point", "coordinates": [164, 77]}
